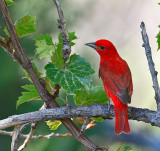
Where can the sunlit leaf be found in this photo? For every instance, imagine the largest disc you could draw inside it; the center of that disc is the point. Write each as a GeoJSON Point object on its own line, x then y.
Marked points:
{"type": "Point", "coordinates": [32, 94]}
{"type": "Point", "coordinates": [44, 46]}
{"type": "Point", "coordinates": [53, 125]}
{"type": "Point", "coordinates": [10, 2]}
{"type": "Point", "coordinates": [25, 25]}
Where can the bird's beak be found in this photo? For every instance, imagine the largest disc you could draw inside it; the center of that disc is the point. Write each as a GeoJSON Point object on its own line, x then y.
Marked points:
{"type": "Point", "coordinates": [91, 44]}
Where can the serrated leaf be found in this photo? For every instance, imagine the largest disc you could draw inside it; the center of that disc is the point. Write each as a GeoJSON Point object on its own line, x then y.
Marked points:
{"type": "Point", "coordinates": [47, 38]}
{"type": "Point", "coordinates": [158, 40]}
{"type": "Point", "coordinates": [90, 95]}
{"type": "Point", "coordinates": [72, 37]}
{"type": "Point", "coordinates": [43, 49]}
{"type": "Point", "coordinates": [32, 94]}
{"type": "Point", "coordinates": [10, 2]}
{"type": "Point", "coordinates": [35, 69]}
{"type": "Point", "coordinates": [25, 25]}
{"type": "Point", "coordinates": [53, 125]}
{"type": "Point", "coordinates": [75, 76]}
{"type": "Point", "coordinates": [124, 148]}
{"type": "Point", "coordinates": [44, 46]}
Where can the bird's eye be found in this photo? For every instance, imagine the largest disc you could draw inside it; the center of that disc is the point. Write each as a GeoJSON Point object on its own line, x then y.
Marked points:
{"type": "Point", "coordinates": [102, 47]}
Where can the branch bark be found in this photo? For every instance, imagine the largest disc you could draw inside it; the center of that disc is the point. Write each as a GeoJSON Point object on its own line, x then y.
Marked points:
{"type": "Point", "coordinates": [151, 64]}
{"type": "Point", "coordinates": [62, 27]}
{"type": "Point", "coordinates": [95, 110]}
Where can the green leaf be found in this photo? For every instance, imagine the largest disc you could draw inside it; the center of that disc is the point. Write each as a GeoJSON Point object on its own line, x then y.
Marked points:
{"type": "Point", "coordinates": [158, 40]}
{"type": "Point", "coordinates": [10, 2]}
{"type": "Point", "coordinates": [32, 94]}
{"type": "Point", "coordinates": [35, 69]}
{"type": "Point", "coordinates": [25, 25]}
{"type": "Point", "coordinates": [53, 125]}
{"type": "Point", "coordinates": [72, 37]}
{"type": "Point", "coordinates": [44, 45]}
{"type": "Point", "coordinates": [90, 95]}
{"type": "Point", "coordinates": [125, 148]}
{"type": "Point", "coordinates": [57, 57]}
{"type": "Point", "coordinates": [98, 119]}
{"type": "Point", "coordinates": [6, 31]}
{"type": "Point", "coordinates": [47, 38]}
{"type": "Point", "coordinates": [75, 76]}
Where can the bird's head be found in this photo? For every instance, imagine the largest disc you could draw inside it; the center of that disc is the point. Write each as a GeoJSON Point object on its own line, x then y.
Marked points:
{"type": "Point", "coordinates": [103, 47]}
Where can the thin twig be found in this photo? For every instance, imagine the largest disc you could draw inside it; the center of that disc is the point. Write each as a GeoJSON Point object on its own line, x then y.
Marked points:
{"type": "Point", "coordinates": [151, 64]}
{"type": "Point", "coordinates": [66, 102]}
{"type": "Point", "coordinates": [84, 123]}
{"type": "Point", "coordinates": [95, 110]}
{"type": "Point", "coordinates": [37, 136]}
{"type": "Point", "coordinates": [29, 137]}
{"type": "Point", "coordinates": [15, 136]}
{"type": "Point", "coordinates": [9, 49]}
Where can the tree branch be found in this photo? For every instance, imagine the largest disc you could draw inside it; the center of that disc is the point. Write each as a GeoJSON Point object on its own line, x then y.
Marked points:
{"type": "Point", "coordinates": [37, 136]}
{"type": "Point", "coordinates": [29, 137]}
{"type": "Point", "coordinates": [49, 99]}
{"type": "Point", "coordinates": [95, 110]}
{"type": "Point", "coordinates": [62, 27]}
{"type": "Point", "coordinates": [151, 64]}
{"type": "Point", "coordinates": [15, 136]}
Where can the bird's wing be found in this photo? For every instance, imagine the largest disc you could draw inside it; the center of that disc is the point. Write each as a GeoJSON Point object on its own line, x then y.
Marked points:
{"type": "Point", "coordinates": [120, 85]}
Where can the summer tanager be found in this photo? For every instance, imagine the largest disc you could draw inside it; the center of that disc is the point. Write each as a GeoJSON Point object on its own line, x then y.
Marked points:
{"type": "Point", "coordinates": [117, 81]}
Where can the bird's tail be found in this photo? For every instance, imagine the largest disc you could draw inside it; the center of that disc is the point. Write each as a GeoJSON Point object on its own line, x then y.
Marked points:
{"type": "Point", "coordinates": [121, 118]}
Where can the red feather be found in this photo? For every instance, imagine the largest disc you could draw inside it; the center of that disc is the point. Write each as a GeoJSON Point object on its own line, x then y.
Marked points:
{"type": "Point", "coordinates": [117, 80]}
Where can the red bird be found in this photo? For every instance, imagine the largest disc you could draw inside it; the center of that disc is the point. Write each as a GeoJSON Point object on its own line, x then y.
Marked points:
{"type": "Point", "coordinates": [117, 81]}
